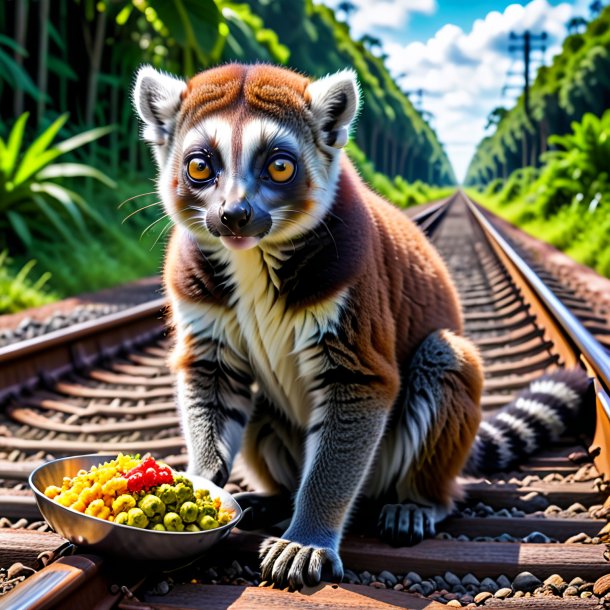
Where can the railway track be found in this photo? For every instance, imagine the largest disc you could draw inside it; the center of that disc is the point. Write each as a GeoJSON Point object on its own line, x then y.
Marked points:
{"type": "Point", "coordinates": [535, 537]}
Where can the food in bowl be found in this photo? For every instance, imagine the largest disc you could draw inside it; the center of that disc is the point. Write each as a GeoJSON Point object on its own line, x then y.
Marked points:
{"type": "Point", "coordinates": [142, 493]}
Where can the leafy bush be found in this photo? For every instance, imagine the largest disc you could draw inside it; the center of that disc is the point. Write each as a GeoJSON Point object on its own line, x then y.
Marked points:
{"type": "Point", "coordinates": [568, 205]}
{"type": "Point", "coordinates": [397, 190]}
{"type": "Point", "coordinates": [578, 171]}
{"type": "Point", "coordinates": [518, 182]}
{"type": "Point", "coordinates": [33, 200]}
{"type": "Point", "coordinates": [18, 291]}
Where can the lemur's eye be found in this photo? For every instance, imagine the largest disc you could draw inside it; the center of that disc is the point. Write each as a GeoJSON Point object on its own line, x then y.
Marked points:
{"type": "Point", "coordinates": [199, 169]}
{"type": "Point", "coordinates": [281, 169]}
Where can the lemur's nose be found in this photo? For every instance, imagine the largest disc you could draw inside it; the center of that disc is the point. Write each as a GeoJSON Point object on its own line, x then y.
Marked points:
{"type": "Point", "coordinates": [235, 215]}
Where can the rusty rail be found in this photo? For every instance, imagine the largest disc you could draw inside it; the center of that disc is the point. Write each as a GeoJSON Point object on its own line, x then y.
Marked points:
{"type": "Point", "coordinates": [565, 330]}
{"type": "Point", "coordinates": [133, 390]}
{"type": "Point", "coordinates": [25, 364]}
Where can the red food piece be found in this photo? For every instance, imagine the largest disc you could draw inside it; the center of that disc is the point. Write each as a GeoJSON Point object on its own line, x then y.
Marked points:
{"type": "Point", "coordinates": [148, 474]}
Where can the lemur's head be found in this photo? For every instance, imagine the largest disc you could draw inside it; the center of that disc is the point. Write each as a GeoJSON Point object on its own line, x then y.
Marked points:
{"type": "Point", "coordinates": [246, 153]}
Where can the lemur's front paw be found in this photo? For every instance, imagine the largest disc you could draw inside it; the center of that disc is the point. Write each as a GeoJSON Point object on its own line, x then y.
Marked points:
{"type": "Point", "coordinates": [406, 524]}
{"type": "Point", "coordinates": [294, 565]}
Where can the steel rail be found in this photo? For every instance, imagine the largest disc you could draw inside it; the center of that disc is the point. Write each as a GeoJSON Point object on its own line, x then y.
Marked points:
{"type": "Point", "coordinates": [24, 364]}
{"type": "Point", "coordinates": [428, 219]}
{"type": "Point", "coordinates": [586, 348]}
{"type": "Point", "coordinates": [586, 343]}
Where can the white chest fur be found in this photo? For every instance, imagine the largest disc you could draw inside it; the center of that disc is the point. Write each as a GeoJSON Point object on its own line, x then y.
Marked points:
{"type": "Point", "coordinates": [282, 343]}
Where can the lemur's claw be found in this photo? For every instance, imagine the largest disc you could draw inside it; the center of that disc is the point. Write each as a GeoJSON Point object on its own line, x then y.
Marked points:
{"type": "Point", "coordinates": [290, 564]}
{"type": "Point", "coordinates": [406, 524]}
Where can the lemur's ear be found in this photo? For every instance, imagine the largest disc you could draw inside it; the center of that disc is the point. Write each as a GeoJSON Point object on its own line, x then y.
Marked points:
{"type": "Point", "coordinates": [334, 102]}
{"type": "Point", "coordinates": [157, 99]}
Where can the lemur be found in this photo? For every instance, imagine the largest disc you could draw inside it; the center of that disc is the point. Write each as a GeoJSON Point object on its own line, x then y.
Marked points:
{"type": "Point", "coordinates": [317, 330]}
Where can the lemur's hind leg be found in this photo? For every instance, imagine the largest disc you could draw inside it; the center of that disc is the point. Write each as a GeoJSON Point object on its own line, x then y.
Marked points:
{"type": "Point", "coordinates": [272, 449]}
{"type": "Point", "coordinates": [428, 447]}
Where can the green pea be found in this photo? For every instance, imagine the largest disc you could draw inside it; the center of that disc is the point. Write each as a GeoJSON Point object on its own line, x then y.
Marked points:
{"type": "Point", "coordinates": [173, 523]}
{"type": "Point", "coordinates": [208, 509]}
{"type": "Point", "coordinates": [152, 505]}
{"type": "Point", "coordinates": [180, 478]}
{"type": "Point", "coordinates": [189, 512]}
{"type": "Point", "coordinates": [205, 522]}
{"type": "Point", "coordinates": [184, 493]}
{"type": "Point", "coordinates": [191, 527]}
{"type": "Point", "coordinates": [137, 518]}
{"type": "Point", "coordinates": [159, 527]}
{"type": "Point", "coordinates": [166, 493]}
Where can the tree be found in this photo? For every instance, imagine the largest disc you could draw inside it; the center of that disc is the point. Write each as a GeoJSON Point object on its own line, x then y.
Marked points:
{"type": "Point", "coordinates": [577, 25]}
{"type": "Point", "coordinates": [346, 9]}
{"type": "Point", "coordinates": [495, 117]}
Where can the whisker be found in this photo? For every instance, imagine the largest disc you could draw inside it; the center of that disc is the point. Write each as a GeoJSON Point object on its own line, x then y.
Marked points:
{"type": "Point", "coordinates": [161, 233]}
{"type": "Point", "coordinates": [135, 197]}
{"type": "Point", "coordinates": [152, 224]}
{"type": "Point", "coordinates": [150, 205]}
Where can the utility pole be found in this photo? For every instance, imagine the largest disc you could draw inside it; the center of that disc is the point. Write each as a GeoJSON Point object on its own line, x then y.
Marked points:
{"type": "Point", "coordinates": [529, 44]}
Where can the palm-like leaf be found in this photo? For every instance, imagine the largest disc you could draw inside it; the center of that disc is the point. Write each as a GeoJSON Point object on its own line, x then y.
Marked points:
{"type": "Point", "coordinates": [33, 198]}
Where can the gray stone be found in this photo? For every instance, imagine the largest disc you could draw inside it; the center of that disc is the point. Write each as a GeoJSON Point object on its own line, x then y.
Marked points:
{"type": "Point", "coordinates": [526, 581]}
{"type": "Point", "coordinates": [451, 579]}
{"type": "Point", "coordinates": [487, 584]}
{"type": "Point", "coordinates": [502, 581]}
{"type": "Point", "coordinates": [351, 577]}
{"type": "Point", "coordinates": [470, 579]}
{"type": "Point", "coordinates": [427, 587]}
{"type": "Point", "coordinates": [413, 577]}
{"type": "Point", "coordinates": [387, 577]}
{"type": "Point", "coordinates": [537, 538]}
{"type": "Point", "coordinates": [416, 588]}
{"type": "Point", "coordinates": [505, 538]}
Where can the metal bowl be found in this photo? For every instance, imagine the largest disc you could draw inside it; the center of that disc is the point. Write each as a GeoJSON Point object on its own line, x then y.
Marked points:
{"type": "Point", "coordinates": [103, 536]}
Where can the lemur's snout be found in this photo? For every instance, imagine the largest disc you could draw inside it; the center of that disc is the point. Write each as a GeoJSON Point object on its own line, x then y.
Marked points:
{"type": "Point", "coordinates": [236, 215]}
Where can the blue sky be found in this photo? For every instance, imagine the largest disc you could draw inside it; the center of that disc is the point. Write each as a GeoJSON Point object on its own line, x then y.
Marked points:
{"type": "Point", "coordinates": [457, 51]}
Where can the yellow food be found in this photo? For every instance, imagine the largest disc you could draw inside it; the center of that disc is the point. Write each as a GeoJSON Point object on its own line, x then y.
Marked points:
{"type": "Point", "coordinates": [104, 492]}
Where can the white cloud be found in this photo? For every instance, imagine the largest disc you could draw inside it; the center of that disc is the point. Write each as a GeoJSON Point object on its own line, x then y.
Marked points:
{"type": "Point", "coordinates": [385, 14]}
{"type": "Point", "coordinates": [464, 72]}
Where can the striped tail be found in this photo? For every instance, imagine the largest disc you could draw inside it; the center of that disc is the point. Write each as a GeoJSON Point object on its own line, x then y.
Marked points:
{"type": "Point", "coordinates": [539, 415]}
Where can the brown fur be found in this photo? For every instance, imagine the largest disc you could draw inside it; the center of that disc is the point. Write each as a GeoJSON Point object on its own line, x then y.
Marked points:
{"type": "Point", "coordinates": [268, 90]}
{"type": "Point", "coordinates": [399, 289]}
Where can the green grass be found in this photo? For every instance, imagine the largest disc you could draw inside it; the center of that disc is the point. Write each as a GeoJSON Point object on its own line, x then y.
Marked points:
{"type": "Point", "coordinates": [582, 234]}
{"type": "Point", "coordinates": [18, 289]}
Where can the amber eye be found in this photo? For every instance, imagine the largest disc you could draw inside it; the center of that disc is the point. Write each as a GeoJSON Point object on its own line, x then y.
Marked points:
{"type": "Point", "coordinates": [281, 169]}
{"type": "Point", "coordinates": [198, 169]}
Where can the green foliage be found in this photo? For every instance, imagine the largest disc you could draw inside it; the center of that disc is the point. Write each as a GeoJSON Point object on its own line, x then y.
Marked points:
{"type": "Point", "coordinates": [17, 290]}
{"type": "Point", "coordinates": [577, 82]}
{"type": "Point", "coordinates": [567, 202]}
{"type": "Point", "coordinates": [517, 184]}
{"type": "Point", "coordinates": [397, 190]}
{"type": "Point", "coordinates": [33, 199]}
{"type": "Point", "coordinates": [51, 205]}
{"type": "Point", "coordinates": [11, 71]}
